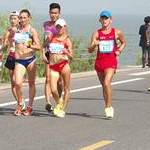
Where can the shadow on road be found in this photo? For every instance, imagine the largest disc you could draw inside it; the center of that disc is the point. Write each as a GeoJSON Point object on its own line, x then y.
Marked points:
{"type": "Point", "coordinates": [85, 115]}
{"type": "Point", "coordinates": [135, 91]}
{"type": "Point", "coordinates": [6, 111]}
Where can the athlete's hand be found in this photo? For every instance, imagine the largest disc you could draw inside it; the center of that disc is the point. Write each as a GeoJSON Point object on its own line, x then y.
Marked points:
{"type": "Point", "coordinates": [44, 59]}
{"type": "Point", "coordinates": [117, 53]}
{"type": "Point", "coordinates": [65, 51]}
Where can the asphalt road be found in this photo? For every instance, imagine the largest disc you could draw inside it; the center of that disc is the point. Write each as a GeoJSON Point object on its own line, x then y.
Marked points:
{"type": "Point", "coordinates": [84, 126]}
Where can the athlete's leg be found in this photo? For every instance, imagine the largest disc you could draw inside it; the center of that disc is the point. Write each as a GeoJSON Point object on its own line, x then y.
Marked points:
{"type": "Point", "coordinates": [11, 73]}
{"type": "Point", "coordinates": [105, 79]}
{"type": "Point", "coordinates": [109, 73]}
{"type": "Point", "coordinates": [54, 76]}
{"type": "Point", "coordinates": [66, 79]}
{"type": "Point", "coordinates": [60, 86]}
{"type": "Point", "coordinates": [47, 84]}
{"type": "Point", "coordinates": [18, 76]}
{"type": "Point", "coordinates": [101, 77]}
{"type": "Point", "coordinates": [148, 51]}
{"type": "Point", "coordinates": [143, 56]}
{"type": "Point", "coordinates": [31, 71]}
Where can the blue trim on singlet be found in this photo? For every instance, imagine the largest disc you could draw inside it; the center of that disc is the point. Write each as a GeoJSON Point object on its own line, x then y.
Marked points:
{"type": "Point", "coordinates": [25, 62]}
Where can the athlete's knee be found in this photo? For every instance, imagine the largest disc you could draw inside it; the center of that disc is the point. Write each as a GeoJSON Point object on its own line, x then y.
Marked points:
{"type": "Point", "coordinates": [31, 83]}
{"type": "Point", "coordinates": [18, 84]}
{"type": "Point", "coordinates": [54, 91]}
{"type": "Point", "coordinates": [66, 89]}
{"type": "Point", "coordinates": [106, 83]}
{"type": "Point", "coordinates": [47, 80]}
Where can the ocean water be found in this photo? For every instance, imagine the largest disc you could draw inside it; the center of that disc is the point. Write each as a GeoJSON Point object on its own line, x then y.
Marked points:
{"type": "Point", "coordinates": [85, 25]}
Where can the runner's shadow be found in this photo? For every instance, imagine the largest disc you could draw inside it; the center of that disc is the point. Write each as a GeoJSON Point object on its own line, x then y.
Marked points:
{"type": "Point", "coordinates": [86, 98]}
{"type": "Point", "coordinates": [6, 111]}
{"type": "Point", "coordinates": [41, 113]}
{"type": "Point", "coordinates": [134, 91]}
{"type": "Point", "coordinates": [85, 115]}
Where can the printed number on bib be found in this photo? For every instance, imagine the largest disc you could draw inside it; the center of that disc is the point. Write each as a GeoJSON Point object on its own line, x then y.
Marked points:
{"type": "Point", "coordinates": [56, 48]}
{"type": "Point", "coordinates": [106, 46]}
{"type": "Point", "coordinates": [21, 37]}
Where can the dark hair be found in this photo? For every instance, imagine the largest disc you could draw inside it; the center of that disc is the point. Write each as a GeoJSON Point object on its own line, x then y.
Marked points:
{"type": "Point", "coordinates": [25, 11]}
{"type": "Point", "coordinates": [54, 5]}
{"type": "Point", "coordinates": [147, 19]}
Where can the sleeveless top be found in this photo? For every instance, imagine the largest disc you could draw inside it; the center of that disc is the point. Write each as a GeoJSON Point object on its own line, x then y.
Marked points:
{"type": "Point", "coordinates": [22, 37]}
{"type": "Point", "coordinates": [48, 29]}
{"type": "Point", "coordinates": [56, 46]}
{"type": "Point", "coordinates": [107, 45]}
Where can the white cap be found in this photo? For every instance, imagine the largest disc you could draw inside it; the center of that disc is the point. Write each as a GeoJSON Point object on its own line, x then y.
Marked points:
{"type": "Point", "coordinates": [61, 22]}
{"type": "Point", "coordinates": [14, 13]}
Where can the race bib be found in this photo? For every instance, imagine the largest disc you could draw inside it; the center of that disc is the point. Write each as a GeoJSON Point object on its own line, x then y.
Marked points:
{"type": "Point", "coordinates": [106, 46]}
{"type": "Point", "coordinates": [21, 37]}
{"type": "Point", "coordinates": [56, 48]}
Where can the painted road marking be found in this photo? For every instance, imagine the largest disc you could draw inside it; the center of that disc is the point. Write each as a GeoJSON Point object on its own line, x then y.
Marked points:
{"type": "Point", "coordinates": [97, 145]}
{"type": "Point", "coordinates": [76, 90]}
{"type": "Point", "coordinates": [140, 73]}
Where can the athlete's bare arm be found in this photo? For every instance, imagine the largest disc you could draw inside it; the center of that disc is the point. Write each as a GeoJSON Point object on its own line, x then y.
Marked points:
{"type": "Point", "coordinates": [6, 41]}
{"type": "Point", "coordinates": [36, 43]}
{"type": "Point", "coordinates": [120, 37]}
{"type": "Point", "coordinates": [44, 45]}
{"type": "Point", "coordinates": [94, 42]}
{"type": "Point", "coordinates": [69, 52]}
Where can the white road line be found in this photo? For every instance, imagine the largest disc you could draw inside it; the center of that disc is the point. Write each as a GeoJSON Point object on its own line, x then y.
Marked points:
{"type": "Point", "coordinates": [140, 73]}
{"type": "Point", "coordinates": [77, 90]}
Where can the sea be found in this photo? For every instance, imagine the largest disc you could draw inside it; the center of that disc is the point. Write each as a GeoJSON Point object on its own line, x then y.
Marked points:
{"type": "Point", "coordinates": [84, 25]}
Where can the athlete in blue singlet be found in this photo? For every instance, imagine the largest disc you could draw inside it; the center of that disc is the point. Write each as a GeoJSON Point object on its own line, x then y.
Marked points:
{"type": "Point", "coordinates": [26, 44]}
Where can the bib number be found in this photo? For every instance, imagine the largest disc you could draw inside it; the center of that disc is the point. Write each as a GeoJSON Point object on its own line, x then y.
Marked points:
{"type": "Point", "coordinates": [21, 37]}
{"type": "Point", "coordinates": [56, 48]}
{"type": "Point", "coordinates": [106, 46]}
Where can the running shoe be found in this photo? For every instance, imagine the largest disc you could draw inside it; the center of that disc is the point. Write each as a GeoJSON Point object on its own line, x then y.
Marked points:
{"type": "Point", "coordinates": [61, 114]}
{"type": "Point", "coordinates": [57, 109]}
{"type": "Point", "coordinates": [18, 110]}
{"type": "Point", "coordinates": [28, 111]}
{"type": "Point", "coordinates": [149, 89]}
{"type": "Point", "coordinates": [109, 112]}
{"type": "Point", "coordinates": [23, 106]}
{"type": "Point", "coordinates": [48, 107]}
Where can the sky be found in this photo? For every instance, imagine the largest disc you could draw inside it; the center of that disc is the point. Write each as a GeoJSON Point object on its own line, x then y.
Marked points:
{"type": "Point", "coordinates": [134, 7]}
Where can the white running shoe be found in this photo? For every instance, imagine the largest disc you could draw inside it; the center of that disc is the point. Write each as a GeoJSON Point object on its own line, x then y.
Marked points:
{"type": "Point", "coordinates": [61, 114]}
{"type": "Point", "coordinates": [109, 112]}
{"type": "Point", "coordinates": [23, 105]}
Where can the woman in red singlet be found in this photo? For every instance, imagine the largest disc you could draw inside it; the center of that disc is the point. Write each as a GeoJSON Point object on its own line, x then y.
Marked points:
{"type": "Point", "coordinates": [49, 31]}
{"type": "Point", "coordinates": [106, 39]}
{"type": "Point", "coordinates": [60, 48]}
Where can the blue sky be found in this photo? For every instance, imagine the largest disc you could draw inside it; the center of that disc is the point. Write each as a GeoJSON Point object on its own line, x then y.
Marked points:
{"type": "Point", "coordinates": [82, 6]}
